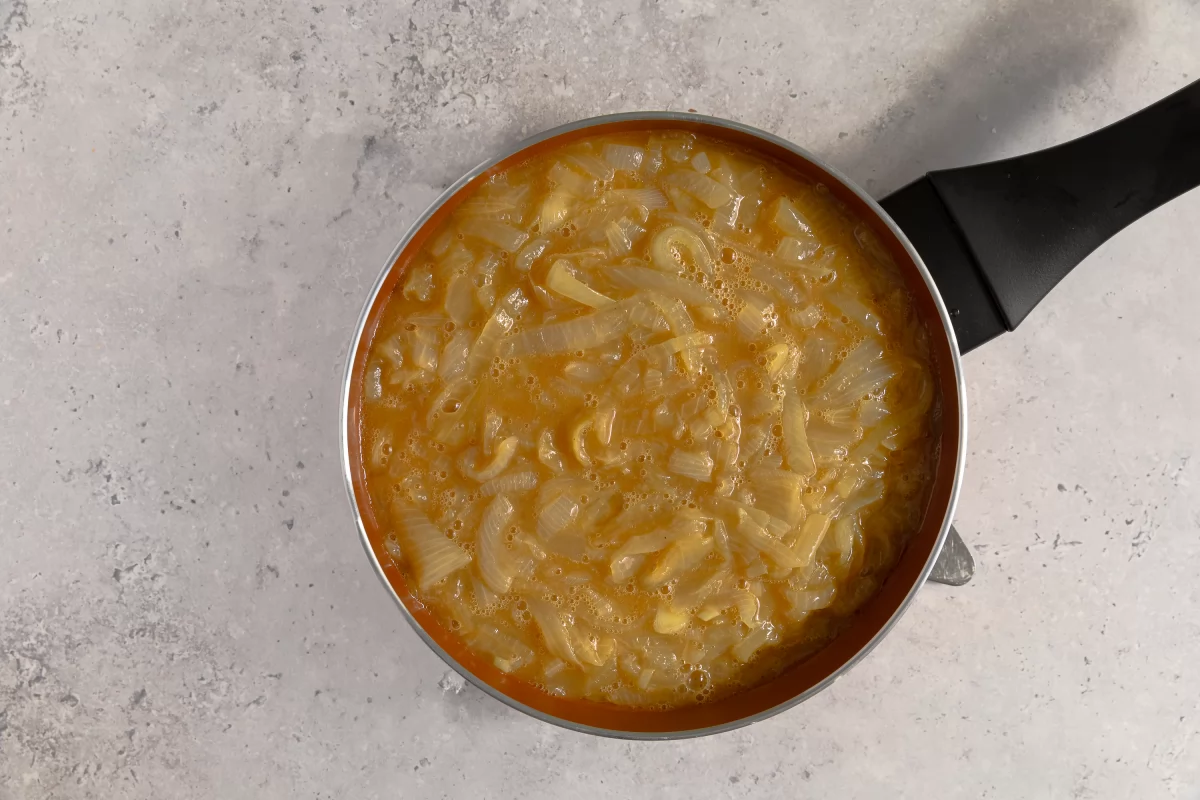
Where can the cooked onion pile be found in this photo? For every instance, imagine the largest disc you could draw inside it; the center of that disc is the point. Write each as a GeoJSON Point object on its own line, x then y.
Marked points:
{"type": "Point", "coordinates": [649, 419]}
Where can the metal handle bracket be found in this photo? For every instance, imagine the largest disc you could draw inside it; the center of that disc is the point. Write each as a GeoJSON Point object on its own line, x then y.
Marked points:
{"type": "Point", "coordinates": [955, 565]}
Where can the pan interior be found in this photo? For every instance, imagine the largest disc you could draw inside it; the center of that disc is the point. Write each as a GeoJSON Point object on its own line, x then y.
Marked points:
{"type": "Point", "coordinates": [801, 678]}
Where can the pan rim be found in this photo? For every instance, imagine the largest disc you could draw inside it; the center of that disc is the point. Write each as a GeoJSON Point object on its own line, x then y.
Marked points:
{"type": "Point", "coordinates": [656, 116]}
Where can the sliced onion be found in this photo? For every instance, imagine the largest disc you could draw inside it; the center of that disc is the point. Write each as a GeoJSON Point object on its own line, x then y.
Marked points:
{"type": "Point", "coordinates": [419, 285]}
{"type": "Point", "coordinates": [682, 556]}
{"type": "Point", "coordinates": [622, 235]}
{"type": "Point", "coordinates": [460, 300]}
{"type": "Point", "coordinates": [557, 515]}
{"type": "Point", "coordinates": [870, 492]}
{"type": "Point", "coordinates": [623, 379]}
{"type": "Point", "coordinates": [722, 174]}
{"type": "Point", "coordinates": [507, 651]}
{"type": "Point", "coordinates": [625, 567]}
{"type": "Point", "coordinates": [806, 318]}
{"type": "Point", "coordinates": [819, 351]}
{"type": "Point", "coordinates": [750, 209]}
{"type": "Point", "coordinates": [794, 251]}
{"type": "Point", "coordinates": [641, 277]}
{"type": "Point", "coordinates": [509, 207]}
{"type": "Point", "coordinates": [776, 356]}
{"type": "Point", "coordinates": [830, 442]}
{"type": "Point", "coordinates": [453, 362]}
{"type": "Point", "coordinates": [804, 601]}
{"type": "Point", "coordinates": [448, 410]}
{"type": "Point", "coordinates": [680, 322]}
{"type": "Point", "coordinates": [555, 209]}
{"type": "Point", "coordinates": [431, 554]}
{"type": "Point", "coordinates": [670, 246]}
{"type": "Point", "coordinates": [512, 483]}
{"type": "Point", "coordinates": [753, 536]}
{"type": "Point", "coordinates": [505, 451]}
{"type": "Point", "coordinates": [779, 493]}
{"type": "Point", "coordinates": [724, 219]}
{"type": "Point", "coordinates": [854, 310]}
{"type": "Point", "coordinates": [648, 198]}
{"type": "Point", "coordinates": [866, 353]}
{"type": "Point", "coordinates": [697, 587]}
{"type": "Point", "coordinates": [561, 279]}
{"type": "Point", "coordinates": [676, 145]}
{"type": "Point", "coordinates": [695, 465]}
{"type": "Point", "coordinates": [492, 422]}
{"type": "Point", "coordinates": [812, 533]}
{"type": "Point", "coordinates": [374, 382]}
{"type": "Point", "coordinates": [709, 192]}
{"type": "Point", "coordinates": [591, 166]}
{"type": "Point", "coordinates": [547, 454]}
{"type": "Point", "coordinates": [624, 157]}
{"type": "Point", "coordinates": [605, 417]}
{"type": "Point", "coordinates": [751, 322]}
{"type": "Point", "coordinates": [745, 601]}
{"type": "Point", "coordinates": [581, 333]}
{"type": "Point", "coordinates": [504, 317]}
{"type": "Point", "coordinates": [654, 541]}
{"type": "Point", "coordinates": [585, 371]}
{"type": "Point", "coordinates": [576, 436]}
{"type": "Point", "coordinates": [795, 439]}
{"type": "Point", "coordinates": [762, 635]}
{"type": "Point", "coordinates": [553, 628]}
{"type": "Point", "coordinates": [499, 234]}
{"type": "Point", "coordinates": [496, 565]}
{"type": "Point", "coordinates": [788, 219]}
{"type": "Point", "coordinates": [530, 253]}
{"type": "Point", "coordinates": [786, 288]}
{"type": "Point", "coordinates": [668, 620]}
{"type": "Point", "coordinates": [870, 380]}
{"type": "Point", "coordinates": [423, 346]}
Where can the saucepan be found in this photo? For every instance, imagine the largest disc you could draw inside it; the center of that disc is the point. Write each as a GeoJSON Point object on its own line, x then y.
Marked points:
{"type": "Point", "coordinates": [979, 247]}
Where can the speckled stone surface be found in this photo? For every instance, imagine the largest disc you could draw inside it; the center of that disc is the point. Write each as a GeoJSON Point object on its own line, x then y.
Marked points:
{"type": "Point", "coordinates": [194, 200]}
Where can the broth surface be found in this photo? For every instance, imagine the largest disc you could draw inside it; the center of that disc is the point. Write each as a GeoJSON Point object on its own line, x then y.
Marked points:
{"type": "Point", "coordinates": [649, 418]}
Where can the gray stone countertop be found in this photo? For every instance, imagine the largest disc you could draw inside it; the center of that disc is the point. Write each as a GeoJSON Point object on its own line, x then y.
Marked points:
{"type": "Point", "coordinates": [195, 199]}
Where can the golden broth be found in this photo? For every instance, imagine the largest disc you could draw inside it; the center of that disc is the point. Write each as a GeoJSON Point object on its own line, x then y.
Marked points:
{"type": "Point", "coordinates": [649, 418]}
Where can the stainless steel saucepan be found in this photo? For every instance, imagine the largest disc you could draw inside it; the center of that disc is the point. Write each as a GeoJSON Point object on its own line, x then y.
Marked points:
{"type": "Point", "coordinates": [979, 247]}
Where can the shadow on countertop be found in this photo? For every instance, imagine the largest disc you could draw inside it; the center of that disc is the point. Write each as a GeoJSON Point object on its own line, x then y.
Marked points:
{"type": "Point", "coordinates": [1013, 66]}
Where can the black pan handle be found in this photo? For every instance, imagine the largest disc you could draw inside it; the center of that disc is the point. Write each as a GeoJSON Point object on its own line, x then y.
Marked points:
{"type": "Point", "coordinates": [998, 237]}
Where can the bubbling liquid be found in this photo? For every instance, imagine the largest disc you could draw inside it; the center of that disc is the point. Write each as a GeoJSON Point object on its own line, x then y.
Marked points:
{"type": "Point", "coordinates": [649, 418]}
